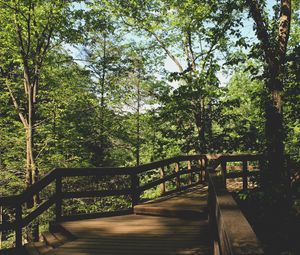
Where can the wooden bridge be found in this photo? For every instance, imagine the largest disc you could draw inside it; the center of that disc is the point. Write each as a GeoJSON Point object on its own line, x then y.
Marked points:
{"type": "Point", "coordinates": [194, 213]}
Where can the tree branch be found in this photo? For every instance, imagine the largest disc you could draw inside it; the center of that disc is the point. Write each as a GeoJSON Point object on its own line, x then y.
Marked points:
{"type": "Point", "coordinates": [191, 51]}
{"type": "Point", "coordinates": [29, 27]}
{"type": "Point", "coordinates": [15, 103]}
{"type": "Point", "coordinates": [162, 44]}
{"type": "Point", "coordinates": [165, 48]}
{"type": "Point", "coordinates": [261, 28]}
{"type": "Point", "coordinates": [12, 8]}
{"type": "Point", "coordinates": [284, 28]}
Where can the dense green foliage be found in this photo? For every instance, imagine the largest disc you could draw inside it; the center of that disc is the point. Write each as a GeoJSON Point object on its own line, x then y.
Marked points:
{"type": "Point", "coordinates": [122, 83]}
{"type": "Point", "coordinates": [112, 75]}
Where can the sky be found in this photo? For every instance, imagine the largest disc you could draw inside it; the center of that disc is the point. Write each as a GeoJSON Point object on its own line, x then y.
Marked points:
{"type": "Point", "coordinates": [224, 77]}
{"type": "Point", "coordinates": [247, 31]}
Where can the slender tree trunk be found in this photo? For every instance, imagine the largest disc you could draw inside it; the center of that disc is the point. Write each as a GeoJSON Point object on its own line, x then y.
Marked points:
{"type": "Point", "coordinates": [203, 130]}
{"type": "Point", "coordinates": [33, 41]}
{"type": "Point", "coordinates": [154, 145]}
{"type": "Point", "coordinates": [200, 113]}
{"type": "Point", "coordinates": [102, 88]}
{"type": "Point", "coordinates": [138, 128]}
{"type": "Point", "coordinates": [102, 102]}
{"type": "Point", "coordinates": [209, 127]}
{"type": "Point", "coordinates": [32, 174]}
{"type": "Point", "coordinates": [28, 175]}
{"type": "Point", "coordinates": [200, 124]}
{"type": "Point", "coordinates": [54, 128]}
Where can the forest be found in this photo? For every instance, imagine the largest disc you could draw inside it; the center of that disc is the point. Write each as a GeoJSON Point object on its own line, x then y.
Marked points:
{"type": "Point", "coordinates": [99, 83]}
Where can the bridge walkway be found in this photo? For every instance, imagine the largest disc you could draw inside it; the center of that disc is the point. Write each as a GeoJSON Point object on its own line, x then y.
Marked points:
{"type": "Point", "coordinates": [176, 224]}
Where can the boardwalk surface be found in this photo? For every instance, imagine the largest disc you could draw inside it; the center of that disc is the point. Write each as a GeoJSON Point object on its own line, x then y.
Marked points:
{"type": "Point", "coordinates": [191, 203]}
{"type": "Point", "coordinates": [142, 234]}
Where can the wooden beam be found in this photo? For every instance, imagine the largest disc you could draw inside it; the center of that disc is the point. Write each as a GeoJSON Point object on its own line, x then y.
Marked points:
{"type": "Point", "coordinates": [135, 194]}
{"type": "Point", "coordinates": [58, 202]}
{"type": "Point", "coordinates": [189, 167]}
{"type": "Point", "coordinates": [18, 230]}
{"type": "Point", "coordinates": [177, 176]}
{"type": "Point", "coordinates": [163, 184]}
{"type": "Point", "coordinates": [245, 176]}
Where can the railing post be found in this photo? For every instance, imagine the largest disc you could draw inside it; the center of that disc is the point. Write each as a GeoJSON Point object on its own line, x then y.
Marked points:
{"type": "Point", "coordinates": [162, 185]}
{"type": "Point", "coordinates": [200, 170]}
{"type": "Point", "coordinates": [224, 171]}
{"type": "Point", "coordinates": [135, 196]}
{"type": "Point", "coordinates": [205, 160]}
{"type": "Point", "coordinates": [1, 222]}
{"type": "Point", "coordinates": [202, 167]}
{"type": "Point", "coordinates": [58, 203]}
{"type": "Point", "coordinates": [262, 170]}
{"type": "Point", "coordinates": [189, 167]}
{"type": "Point", "coordinates": [18, 222]}
{"type": "Point", "coordinates": [245, 178]}
{"type": "Point", "coordinates": [177, 177]}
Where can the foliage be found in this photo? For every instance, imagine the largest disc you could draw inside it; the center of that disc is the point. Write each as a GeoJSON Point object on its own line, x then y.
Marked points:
{"type": "Point", "coordinates": [106, 97]}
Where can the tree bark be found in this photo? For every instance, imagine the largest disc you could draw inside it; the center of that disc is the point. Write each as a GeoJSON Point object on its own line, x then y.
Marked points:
{"type": "Point", "coordinates": [33, 41]}
{"type": "Point", "coordinates": [102, 102]}
{"type": "Point", "coordinates": [32, 174]}
{"type": "Point", "coordinates": [200, 124]}
{"type": "Point", "coordinates": [138, 124]}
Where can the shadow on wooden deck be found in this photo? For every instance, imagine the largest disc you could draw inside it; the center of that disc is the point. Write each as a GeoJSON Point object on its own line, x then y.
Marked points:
{"type": "Point", "coordinates": [145, 234]}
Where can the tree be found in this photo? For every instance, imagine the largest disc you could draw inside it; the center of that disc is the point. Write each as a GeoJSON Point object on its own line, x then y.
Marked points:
{"type": "Point", "coordinates": [291, 106]}
{"type": "Point", "coordinates": [273, 43]}
{"type": "Point", "coordinates": [27, 35]}
{"type": "Point", "coordinates": [192, 35]}
{"type": "Point", "coordinates": [240, 125]}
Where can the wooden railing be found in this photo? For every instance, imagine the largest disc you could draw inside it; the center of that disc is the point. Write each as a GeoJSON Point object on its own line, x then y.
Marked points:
{"type": "Point", "coordinates": [242, 166]}
{"type": "Point", "coordinates": [182, 165]}
{"type": "Point", "coordinates": [230, 231]}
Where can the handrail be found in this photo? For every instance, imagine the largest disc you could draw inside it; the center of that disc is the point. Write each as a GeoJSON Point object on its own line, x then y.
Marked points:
{"type": "Point", "coordinates": [49, 177]}
{"type": "Point", "coordinates": [244, 173]}
{"type": "Point", "coordinates": [56, 176]}
{"type": "Point", "coordinates": [29, 192]}
{"type": "Point", "coordinates": [224, 213]}
{"type": "Point", "coordinates": [63, 172]}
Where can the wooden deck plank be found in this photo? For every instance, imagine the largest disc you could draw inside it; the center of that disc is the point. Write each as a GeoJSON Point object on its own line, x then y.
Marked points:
{"type": "Point", "coordinates": [141, 234]}
{"type": "Point", "coordinates": [191, 203]}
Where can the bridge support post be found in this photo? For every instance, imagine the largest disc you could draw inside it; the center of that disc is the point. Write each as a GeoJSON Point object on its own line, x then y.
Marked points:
{"type": "Point", "coordinates": [245, 175]}
{"type": "Point", "coordinates": [202, 165]}
{"type": "Point", "coordinates": [189, 167]}
{"type": "Point", "coordinates": [205, 170]}
{"type": "Point", "coordinates": [58, 203]}
{"type": "Point", "coordinates": [19, 241]}
{"type": "Point", "coordinates": [178, 177]}
{"type": "Point", "coordinates": [224, 172]}
{"type": "Point", "coordinates": [135, 194]}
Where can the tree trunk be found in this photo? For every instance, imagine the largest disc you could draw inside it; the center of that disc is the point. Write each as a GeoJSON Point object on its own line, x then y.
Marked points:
{"type": "Point", "coordinates": [138, 128]}
{"type": "Point", "coordinates": [276, 175]}
{"type": "Point", "coordinates": [200, 124]}
{"type": "Point", "coordinates": [100, 159]}
{"type": "Point", "coordinates": [203, 131]}
{"type": "Point", "coordinates": [32, 174]}
{"type": "Point", "coordinates": [209, 132]}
